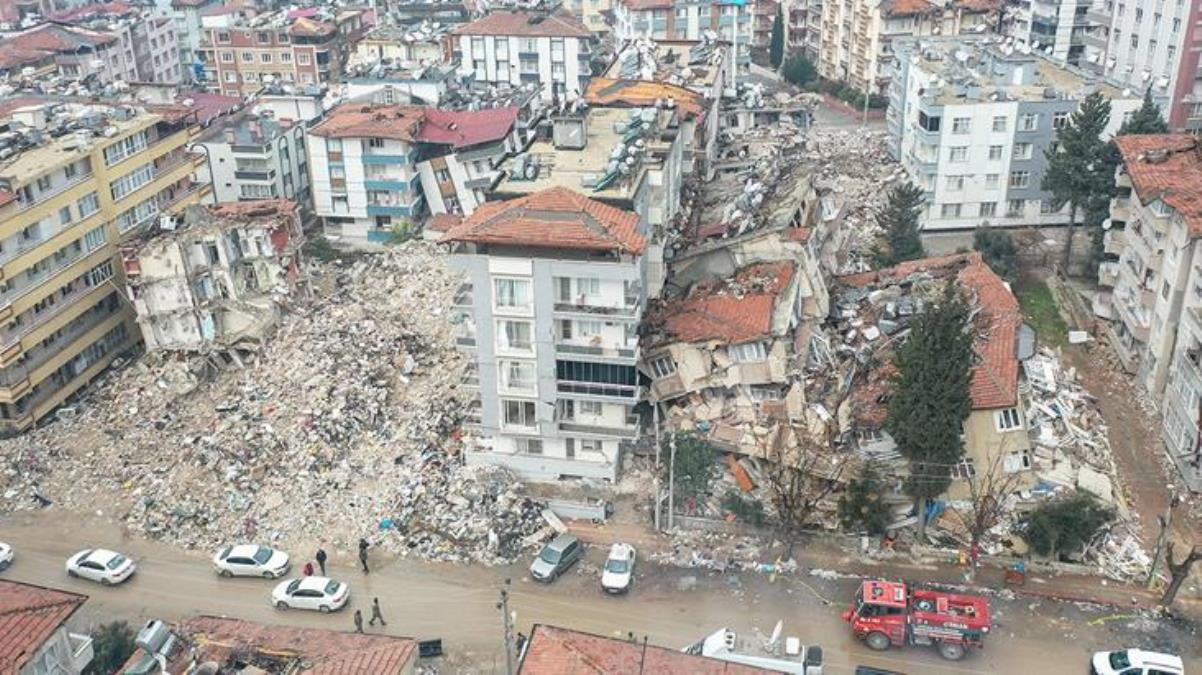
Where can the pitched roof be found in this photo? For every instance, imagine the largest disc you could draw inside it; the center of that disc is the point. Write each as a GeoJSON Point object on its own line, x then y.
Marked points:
{"type": "Point", "coordinates": [443, 222]}
{"type": "Point", "coordinates": [327, 652]}
{"type": "Point", "coordinates": [732, 310]}
{"type": "Point", "coordinates": [525, 24]}
{"type": "Point", "coordinates": [47, 40]}
{"type": "Point", "coordinates": [995, 377]}
{"type": "Point", "coordinates": [553, 651]}
{"type": "Point", "coordinates": [356, 120]}
{"type": "Point", "coordinates": [978, 6]}
{"type": "Point", "coordinates": [1167, 167]}
{"type": "Point", "coordinates": [641, 5]}
{"type": "Point", "coordinates": [29, 615]}
{"type": "Point", "coordinates": [467, 127]}
{"type": "Point", "coordinates": [553, 218]}
{"type": "Point", "coordinates": [908, 7]}
{"type": "Point", "coordinates": [98, 8]}
{"type": "Point", "coordinates": [189, 3]}
{"type": "Point", "coordinates": [640, 93]}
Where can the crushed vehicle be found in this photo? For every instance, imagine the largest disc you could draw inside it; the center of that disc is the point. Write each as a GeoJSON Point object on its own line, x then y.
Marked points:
{"type": "Point", "coordinates": [888, 614]}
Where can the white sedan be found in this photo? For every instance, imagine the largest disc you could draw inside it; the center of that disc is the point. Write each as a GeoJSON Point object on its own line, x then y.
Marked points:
{"type": "Point", "coordinates": [320, 593]}
{"type": "Point", "coordinates": [250, 560]}
{"type": "Point", "coordinates": [6, 556]}
{"type": "Point", "coordinates": [98, 564]}
{"type": "Point", "coordinates": [619, 569]}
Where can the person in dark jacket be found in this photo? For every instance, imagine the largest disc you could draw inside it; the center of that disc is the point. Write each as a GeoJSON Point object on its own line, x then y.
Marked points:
{"type": "Point", "coordinates": [321, 560]}
{"type": "Point", "coordinates": [363, 554]}
{"type": "Point", "coordinates": [375, 613]}
{"type": "Point", "coordinates": [358, 621]}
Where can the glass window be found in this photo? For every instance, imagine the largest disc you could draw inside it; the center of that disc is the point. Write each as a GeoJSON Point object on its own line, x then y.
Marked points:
{"type": "Point", "coordinates": [515, 335]}
{"type": "Point", "coordinates": [950, 210]}
{"type": "Point", "coordinates": [749, 352]}
{"type": "Point", "coordinates": [995, 152]}
{"type": "Point", "coordinates": [988, 209]}
{"type": "Point", "coordinates": [1022, 150]}
{"type": "Point", "coordinates": [663, 366]}
{"type": "Point", "coordinates": [999, 123]}
{"type": "Point", "coordinates": [519, 375]}
{"type": "Point", "coordinates": [992, 180]}
{"type": "Point", "coordinates": [961, 125]}
{"type": "Point", "coordinates": [964, 469]}
{"type": "Point", "coordinates": [1020, 179]}
{"type": "Point", "coordinates": [1028, 122]}
{"type": "Point", "coordinates": [959, 153]}
{"type": "Point", "coordinates": [513, 293]}
{"type": "Point", "coordinates": [519, 413]}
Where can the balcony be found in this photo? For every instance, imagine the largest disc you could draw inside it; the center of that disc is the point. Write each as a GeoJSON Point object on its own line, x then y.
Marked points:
{"type": "Point", "coordinates": [628, 353]}
{"type": "Point", "coordinates": [255, 175]}
{"type": "Point", "coordinates": [386, 184]}
{"type": "Point", "coordinates": [625, 432]}
{"type": "Point", "coordinates": [628, 310]}
{"type": "Point", "coordinates": [1108, 274]}
{"type": "Point", "coordinates": [1114, 241]}
{"type": "Point", "coordinates": [617, 393]}
{"type": "Point", "coordinates": [378, 158]}
{"type": "Point", "coordinates": [12, 342]}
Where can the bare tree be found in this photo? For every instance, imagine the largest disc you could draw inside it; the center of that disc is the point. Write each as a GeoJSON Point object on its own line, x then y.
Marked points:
{"type": "Point", "coordinates": [987, 496]}
{"type": "Point", "coordinates": [806, 471]}
{"type": "Point", "coordinates": [1178, 571]}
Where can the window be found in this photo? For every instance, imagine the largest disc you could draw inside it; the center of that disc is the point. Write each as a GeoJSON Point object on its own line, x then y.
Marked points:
{"type": "Point", "coordinates": [442, 175]}
{"type": "Point", "coordinates": [513, 293]}
{"type": "Point", "coordinates": [928, 123]}
{"type": "Point", "coordinates": [1014, 462]}
{"type": "Point", "coordinates": [1160, 208]}
{"type": "Point", "coordinates": [70, 170]}
{"type": "Point", "coordinates": [961, 125]}
{"type": "Point", "coordinates": [223, 37]}
{"type": "Point", "coordinates": [519, 413]}
{"type": "Point", "coordinates": [131, 181]}
{"type": "Point", "coordinates": [1020, 179]}
{"type": "Point", "coordinates": [138, 215]}
{"type": "Point", "coordinates": [303, 58]}
{"type": "Point", "coordinates": [959, 153]}
{"type": "Point", "coordinates": [528, 446]}
{"type": "Point", "coordinates": [515, 335]}
{"type": "Point", "coordinates": [1016, 208]}
{"type": "Point", "coordinates": [1023, 150]}
{"type": "Point", "coordinates": [248, 57]}
{"type": "Point", "coordinates": [558, 74]}
{"type": "Point", "coordinates": [230, 77]}
{"type": "Point", "coordinates": [517, 375]}
{"type": "Point", "coordinates": [950, 210]}
{"type": "Point", "coordinates": [999, 123]}
{"type": "Point", "coordinates": [963, 469]}
{"type": "Point", "coordinates": [955, 182]}
{"type": "Point", "coordinates": [589, 407]}
{"type": "Point", "coordinates": [1059, 119]}
{"type": "Point", "coordinates": [250, 76]}
{"type": "Point", "coordinates": [125, 147]}
{"type": "Point", "coordinates": [761, 392]}
{"type": "Point", "coordinates": [1028, 122]}
{"type": "Point", "coordinates": [263, 38]}
{"type": "Point", "coordinates": [1008, 419]}
{"type": "Point", "coordinates": [89, 204]}
{"type": "Point", "coordinates": [749, 352]}
{"type": "Point", "coordinates": [340, 204]}
{"type": "Point", "coordinates": [64, 215]}
{"type": "Point", "coordinates": [988, 209]}
{"type": "Point", "coordinates": [1134, 41]}
{"type": "Point", "coordinates": [94, 239]}
{"type": "Point", "coordinates": [992, 180]}
{"type": "Point", "coordinates": [285, 57]}
{"type": "Point", "coordinates": [995, 152]}
{"type": "Point", "coordinates": [662, 366]}
{"type": "Point", "coordinates": [265, 57]}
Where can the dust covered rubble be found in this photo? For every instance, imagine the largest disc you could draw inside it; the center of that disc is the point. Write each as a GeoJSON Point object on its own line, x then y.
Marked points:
{"type": "Point", "coordinates": [346, 419]}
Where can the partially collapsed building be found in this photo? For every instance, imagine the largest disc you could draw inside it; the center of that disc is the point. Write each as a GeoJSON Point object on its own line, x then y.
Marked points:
{"type": "Point", "coordinates": [220, 280]}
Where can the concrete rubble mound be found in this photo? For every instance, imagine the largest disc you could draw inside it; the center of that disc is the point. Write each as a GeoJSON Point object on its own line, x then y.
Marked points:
{"type": "Point", "coordinates": [345, 421]}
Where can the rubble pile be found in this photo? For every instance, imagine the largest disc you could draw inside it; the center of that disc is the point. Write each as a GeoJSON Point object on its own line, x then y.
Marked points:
{"type": "Point", "coordinates": [855, 172]}
{"type": "Point", "coordinates": [339, 423]}
{"type": "Point", "coordinates": [721, 553]}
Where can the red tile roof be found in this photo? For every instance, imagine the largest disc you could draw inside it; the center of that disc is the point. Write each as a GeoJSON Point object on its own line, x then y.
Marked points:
{"type": "Point", "coordinates": [98, 8]}
{"type": "Point", "coordinates": [467, 127]}
{"type": "Point", "coordinates": [978, 6]}
{"type": "Point", "coordinates": [995, 377]}
{"type": "Point", "coordinates": [29, 616]}
{"type": "Point", "coordinates": [559, 651]}
{"type": "Point", "coordinates": [209, 105]}
{"type": "Point", "coordinates": [639, 93]}
{"type": "Point", "coordinates": [326, 652]}
{"type": "Point", "coordinates": [309, 27]}
{"type": "Point", "coordinates": [1176, 179]}
{"type": "Point", "coordinates": [190, 3]}
{"type": "Point", "coordinates": [732, 310]}
{"type": "Point", "coordinates": [356, 120]}
{"type": "Point", "coordinates": [553, 218]}
{"type": "Point", "coordinates": [908, 7]}
{"type": "Point", "coordinates": [47, 40]}
{"type": "Point", "coordinates": [6, 198]}
{"type": "Point", "coordinates": [443, 222]}
{"type": "Point", "coordinates": [525, 24]}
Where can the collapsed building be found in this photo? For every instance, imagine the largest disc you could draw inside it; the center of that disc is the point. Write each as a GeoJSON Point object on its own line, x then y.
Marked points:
{"type": "Point", "coordinates": [217, 282]}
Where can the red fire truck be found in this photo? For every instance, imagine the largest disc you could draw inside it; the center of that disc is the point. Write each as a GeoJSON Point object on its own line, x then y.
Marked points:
{"type": "Point", "coordinates": [888, 614]}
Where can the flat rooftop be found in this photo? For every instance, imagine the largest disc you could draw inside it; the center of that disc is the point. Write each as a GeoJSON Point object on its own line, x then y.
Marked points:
{"type": "Point", "coordinates": [688, 63]}
{"type": "Point", "coordinates": [28, 164]}
{"type": "Point", "coordinates": [984, 67]}
{"type": "Point", "coordinates": [564, 167]}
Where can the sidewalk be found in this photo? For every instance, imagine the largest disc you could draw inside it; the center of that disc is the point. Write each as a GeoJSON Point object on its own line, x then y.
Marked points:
{"type": "Point", "coordinates": [817, 554]}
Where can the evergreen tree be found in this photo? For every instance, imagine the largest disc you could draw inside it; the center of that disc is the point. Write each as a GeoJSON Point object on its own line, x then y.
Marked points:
{"type": "Point", "coordinates": [931, 399]}
{"type": "Point", "coordinates": [799, 71]}
{"type": "Point", "coordinates": [862, 505]}
{"type": "Point", "coordinates": [1065, 525]}
{"type": "Point", "coordinates": [776, 48]}
{"type": "Point", "coordinates": [1080, 171]}
{"type": "Point", "coordinates": [112, 645]}
{"type": "Point", "coordinates": [1146, 120]}
{"type": "Point", "coordinates": [997, 248]}
{"type": "Point", "coordinates": [899, 219]}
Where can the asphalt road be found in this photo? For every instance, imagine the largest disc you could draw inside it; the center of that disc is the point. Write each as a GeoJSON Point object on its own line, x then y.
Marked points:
{"type": "Point", "coordinates": [673, 607]}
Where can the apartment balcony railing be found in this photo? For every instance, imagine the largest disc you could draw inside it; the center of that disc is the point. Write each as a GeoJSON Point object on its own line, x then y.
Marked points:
{"type": "Point", "coordinates": [600, 430]}
{"type": "Point", "coordinates": [627, 310]}
{"type": "Point", "coordinates": [617, 352]}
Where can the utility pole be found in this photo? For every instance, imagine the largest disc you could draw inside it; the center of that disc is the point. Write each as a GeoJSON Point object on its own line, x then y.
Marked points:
{"type": "Point", "coordinates": [503, 605]}
{"type": "Point", "coordinates": [672, 483]}
{"type": "Point", "coordinates": [658, 500]}
{"type": "Point", "coordinates": [1166, 523]}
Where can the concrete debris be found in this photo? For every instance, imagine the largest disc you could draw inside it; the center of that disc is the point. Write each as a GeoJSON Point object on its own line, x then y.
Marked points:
{"type": "Point", "coordinates": [346, 422]}
{"type": "Point", "coordinates": [722, 553]}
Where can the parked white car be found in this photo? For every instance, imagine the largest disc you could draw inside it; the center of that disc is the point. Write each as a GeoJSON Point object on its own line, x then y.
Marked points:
{"type": "Point", "coordinates": [251, 560]}
{"type": "Point", "coordinates": [315, 593]}
{"type": "Point", "coordinates": [1135, 662]}
{"type": "Point", "coordinates": [619, 569]}
{"type": "Point", "coordinates": [100, 564]}
{"type": "Point", "coordinates": [6, 556]}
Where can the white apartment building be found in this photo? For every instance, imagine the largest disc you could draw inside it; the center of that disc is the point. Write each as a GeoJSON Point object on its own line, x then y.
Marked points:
{"type": "Point", "coordinates": [550, 309]}
{"type": "Point", "coordinates": [375, 167]}
{"type": "Point", "coordinates": [1056, 28]}
{"type": "Point", "coordinates": [970, 120]}
{"type": "Point", "coordinates": [1143, 44]}
{"type": "Point", "coordinates": [188, 32]}
{"type": "Point", "coordinates": [254, 156]}
{"type": "Point", "coordinates": [527, 47]}
{"type": "Point", "coordinates": [1152, 283]}
{"type": "Point", "coordinates": [728, 20]}
{"type": "Point", "coordinates": [856, 36]}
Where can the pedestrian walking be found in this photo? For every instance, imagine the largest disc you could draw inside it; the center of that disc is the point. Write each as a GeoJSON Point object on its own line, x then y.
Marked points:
{"type": "Point", "coordinates": [363, 554]}
{"type": "Point", "coordinates": [308, 569]}
{"type": "Point", "coordinates": [375, 613]}
{"type": "Point", "coordinates": [321, 560]}
{"type": "Point", "coordinates": [358, 621]}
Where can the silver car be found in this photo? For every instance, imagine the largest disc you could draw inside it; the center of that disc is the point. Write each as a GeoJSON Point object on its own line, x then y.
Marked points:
{"type": "Point", "coordinates": [556, 557]}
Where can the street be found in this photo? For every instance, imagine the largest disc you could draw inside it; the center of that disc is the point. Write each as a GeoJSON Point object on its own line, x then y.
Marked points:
{"type": "Point", "coordinates": [672, 607]}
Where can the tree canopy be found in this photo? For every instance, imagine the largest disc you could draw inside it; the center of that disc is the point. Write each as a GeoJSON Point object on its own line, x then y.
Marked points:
{"type": "Point", "coordinates": [1080, 171]}
{"type": "Point", "coordinates": [798, 70]}
{"type": "Point", "coordinates": [776, 47]}
{"type": "Point", "coordinates": [1065, 525]}
{"type": "Point", "coordinates": [997, 248]}
{"type": "Point", "coordinates": [1146, 120]}
{"type": "Point", "coordinates": [899, 219]}
{"type": "Point", "coordinates": [695, 464]}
